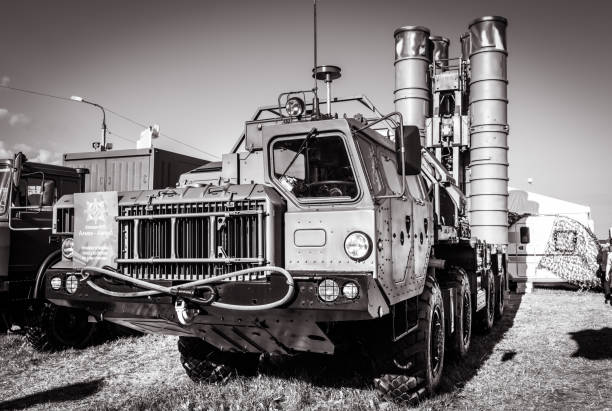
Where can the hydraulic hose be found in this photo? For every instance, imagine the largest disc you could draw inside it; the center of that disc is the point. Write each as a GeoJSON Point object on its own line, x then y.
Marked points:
{"type": "Point", "coordinates": [155, 289]}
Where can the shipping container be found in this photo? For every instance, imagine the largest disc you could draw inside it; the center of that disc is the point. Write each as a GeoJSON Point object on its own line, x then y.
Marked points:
{"type": "Point", "coordinates": [133, 169]}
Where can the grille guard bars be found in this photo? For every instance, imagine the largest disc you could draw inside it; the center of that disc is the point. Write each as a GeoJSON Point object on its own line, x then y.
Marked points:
{"type": "Point", "coordinates": [186, 290]}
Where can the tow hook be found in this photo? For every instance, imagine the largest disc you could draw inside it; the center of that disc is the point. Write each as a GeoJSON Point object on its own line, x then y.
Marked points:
{"type": "Point", "coordinates": [185, 314]}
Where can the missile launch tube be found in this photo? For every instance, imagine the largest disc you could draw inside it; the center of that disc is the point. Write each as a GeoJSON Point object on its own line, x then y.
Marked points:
{"type": "Point", "coordinates": [440, 51]}
{"type": "Point", "coordinates": [489, 130]}
{"type": "Point", "coordinates": [465, 46]}
{"type": "Point", "coordinates": [412, 96]}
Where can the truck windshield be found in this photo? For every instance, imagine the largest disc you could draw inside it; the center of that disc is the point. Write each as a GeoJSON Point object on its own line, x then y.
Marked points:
{"type": "Point", "coordinates": [317, 168]}
{"type": "Point", "coordinates": [5, 178]}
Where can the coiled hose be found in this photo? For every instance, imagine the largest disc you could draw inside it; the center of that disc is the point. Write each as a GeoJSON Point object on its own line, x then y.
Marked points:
{"type": "Point", "coordinates": [155, 289]}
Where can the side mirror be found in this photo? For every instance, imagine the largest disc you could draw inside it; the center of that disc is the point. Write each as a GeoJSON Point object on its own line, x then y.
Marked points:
{"type": "Point", "coordinates": [412, 148]}
{"type": "Point", "coordinates": [17, 167]}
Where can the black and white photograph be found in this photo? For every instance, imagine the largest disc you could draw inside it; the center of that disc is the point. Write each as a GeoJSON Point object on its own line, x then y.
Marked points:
{"type": "Point", "coordinates": [305, 205]}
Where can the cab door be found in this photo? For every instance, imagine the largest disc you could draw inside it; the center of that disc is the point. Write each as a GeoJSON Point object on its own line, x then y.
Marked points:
{"type": "Point", "coordinates": [410, 229]}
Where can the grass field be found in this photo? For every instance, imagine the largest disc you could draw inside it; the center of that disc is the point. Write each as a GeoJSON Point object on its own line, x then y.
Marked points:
{"type": "Point", "coordinates": [552, 350]}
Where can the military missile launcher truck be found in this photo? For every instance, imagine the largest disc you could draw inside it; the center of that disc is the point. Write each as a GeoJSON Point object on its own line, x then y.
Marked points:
{"type": "Point", "coordinates": [323, 233]}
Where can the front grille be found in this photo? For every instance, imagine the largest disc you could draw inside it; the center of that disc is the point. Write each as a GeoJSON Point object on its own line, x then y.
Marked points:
{"type": "Point", "coordinates": [191, 241]}
{"type": "Point", "coordinates": [64, 220]}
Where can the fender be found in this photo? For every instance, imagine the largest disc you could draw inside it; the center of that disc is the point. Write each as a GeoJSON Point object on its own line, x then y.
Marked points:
{"type": "Point", "coordinates": [51, 258]}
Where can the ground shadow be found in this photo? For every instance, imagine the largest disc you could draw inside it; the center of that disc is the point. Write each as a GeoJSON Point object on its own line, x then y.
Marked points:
{"type": "Point", "coordinates": [353, 371]}
{"type": "Point", "coordinates": [72, 392]}
{"type": "Point", "coordinates": [320, 370]}
{"type": "Point", "coordinates": [593, 344]}
{"type": "Point", "coordinates": [458, 372]}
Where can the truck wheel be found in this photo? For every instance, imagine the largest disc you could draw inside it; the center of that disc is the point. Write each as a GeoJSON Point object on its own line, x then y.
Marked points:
{"type": "Point", "coordinates": [462, 337]}
{"type": "Point", "coordinates": [501, 295]}
{"type": "Point", "coordinates": [487, 314]}
{"type": "Point", "coordinates": [57, 328]}
{"type": "Point", "coordinates": [418, 358]}
{"type": "Point", "coordinates": [204, 363]}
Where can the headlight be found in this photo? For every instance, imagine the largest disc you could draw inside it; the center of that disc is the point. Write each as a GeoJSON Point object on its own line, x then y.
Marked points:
{"type": "Point", "coordinates": [56, 283]}
{"type": "Point", "coordinates": [68, 248]}
{"type": "Point", "coordinates": [72, 282]}
{"type": "Point", "coordinates": [328, 290]}
{"type": "Point", "coordinates": [358, 246]}
{"type": "Point", "coordinates": [350, 290]}
{"type": "Point", "coordinates": [294, 107]}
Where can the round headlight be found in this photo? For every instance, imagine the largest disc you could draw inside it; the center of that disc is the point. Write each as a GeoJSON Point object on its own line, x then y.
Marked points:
{"type": "Point", "coordinates": [328, 290]}
{"type": "Point", "coordinates": [72, 282]}
{"type": "Point", "coordinates": [294, 107]}
{"type": "Point", "coordinates": [56, 283]}
{"type": "Point", "coordinates": [358, 246]}
{"type": "Point", "coordinates": [68, 248]}
{"type": "Point", "coordinates": [350, 290]}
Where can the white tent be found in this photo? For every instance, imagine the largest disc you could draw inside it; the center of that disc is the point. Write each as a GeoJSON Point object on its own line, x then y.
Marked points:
{"type": "Point", "coordinates": [526, 202]}
{"type": "Point", "coordinates": [550, 240]}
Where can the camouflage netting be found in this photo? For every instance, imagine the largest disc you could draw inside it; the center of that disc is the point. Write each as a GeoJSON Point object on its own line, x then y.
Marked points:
{"type": "Point", "coordinates": [571, 253]}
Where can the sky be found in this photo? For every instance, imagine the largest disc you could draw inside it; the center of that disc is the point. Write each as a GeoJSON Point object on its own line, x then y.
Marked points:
{"type": "Point", "coordinates": [200, 69]}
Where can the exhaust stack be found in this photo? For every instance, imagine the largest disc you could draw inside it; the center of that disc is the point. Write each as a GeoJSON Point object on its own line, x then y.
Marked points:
{"type": "Point", "coordinates": [489, 129]}
{"type": "Point", "coordinates": [412, 95]}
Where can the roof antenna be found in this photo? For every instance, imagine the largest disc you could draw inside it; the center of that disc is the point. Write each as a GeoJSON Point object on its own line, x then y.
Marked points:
{"type": "Point", "coordinates": [315, 101]}
{"type": "Point", "coordinates": [326, 73]}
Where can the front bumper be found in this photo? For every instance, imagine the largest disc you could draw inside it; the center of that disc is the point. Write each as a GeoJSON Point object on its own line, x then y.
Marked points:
{"type": "Point", "coordinates": [297, 326]}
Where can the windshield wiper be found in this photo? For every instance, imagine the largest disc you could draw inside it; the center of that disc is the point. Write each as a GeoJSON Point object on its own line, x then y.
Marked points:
{"type": "Point", "coordinates": [312, 133]}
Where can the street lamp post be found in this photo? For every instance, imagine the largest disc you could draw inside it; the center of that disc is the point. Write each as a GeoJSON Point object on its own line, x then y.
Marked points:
{"type": "Point", "coordinates": [103, 146]}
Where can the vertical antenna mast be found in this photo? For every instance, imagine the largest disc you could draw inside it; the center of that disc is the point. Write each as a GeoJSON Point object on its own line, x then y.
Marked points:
{"type": "Point", "coordinates": [315, 104]}
{"type": "Point", "coordinates": [324, 73]}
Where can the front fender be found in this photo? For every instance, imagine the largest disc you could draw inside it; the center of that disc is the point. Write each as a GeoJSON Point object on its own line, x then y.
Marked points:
{"type": "Point", "coordinates": [53, 260]}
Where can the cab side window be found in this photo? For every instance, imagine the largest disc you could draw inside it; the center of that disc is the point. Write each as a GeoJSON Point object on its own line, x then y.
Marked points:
{"type": "Point", "coordinates": [370, 163]}
{"type": "Point", "coordinates": [390, 169]}
{"type": "Point", "coordinates": [32, 191]}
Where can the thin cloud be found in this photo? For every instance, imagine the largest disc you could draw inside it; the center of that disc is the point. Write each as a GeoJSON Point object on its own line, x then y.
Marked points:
{"type": "Point", "coordinates": [19, 119]}
{"type": "Point", "coordinates": [46, 156]}
{"type": "Point", "coordinates": [38, 156]}
{"type": "Point", "coordinates": [5, 80]}
{"type": "Point", "coordinates": [4, 152]}
{"type": "Point", "coordinates": [24, 148]}
{"type": "Point", "coordinates": [3, 112]}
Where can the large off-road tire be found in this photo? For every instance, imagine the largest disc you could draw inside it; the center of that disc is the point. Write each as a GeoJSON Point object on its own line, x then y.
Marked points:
{"type": "Point", "coordinates": [500, 282]}
{"type": "Point", "coordinates": [486, 316]}
{"type": "Point", "coordinates": [461, 338]}
{"type": "Point", "coordinates": [204, 363]}
{"type": "Point", "coordinates": [418, 358]}
{"type": "Point", "coordinates": [55, 328]}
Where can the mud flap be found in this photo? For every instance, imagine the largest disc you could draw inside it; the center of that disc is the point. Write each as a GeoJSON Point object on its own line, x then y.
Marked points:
{"type": "Point", "coordinates": [449, 298]}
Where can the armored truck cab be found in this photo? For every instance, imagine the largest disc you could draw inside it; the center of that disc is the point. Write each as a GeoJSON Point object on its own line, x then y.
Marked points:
{"type": "Point", "coordinates": [323, 235]}
{"type": "Point", "coordinates": [28, 191]}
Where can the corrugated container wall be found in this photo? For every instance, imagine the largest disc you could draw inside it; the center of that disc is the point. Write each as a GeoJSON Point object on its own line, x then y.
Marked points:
{"type": "Point", "coordinates": [134, 169]}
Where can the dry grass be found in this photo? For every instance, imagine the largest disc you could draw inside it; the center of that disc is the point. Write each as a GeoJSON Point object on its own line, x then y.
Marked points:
{"type": "Point", "coordinates": [552, 349]}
